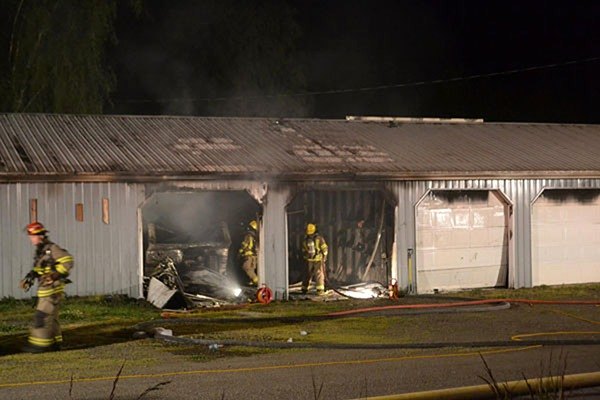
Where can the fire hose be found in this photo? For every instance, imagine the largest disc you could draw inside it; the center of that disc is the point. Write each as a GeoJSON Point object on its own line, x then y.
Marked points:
{"type": "Point", "coordinates": [460, 304]}
{"type": "Point", "coordinates": [518, 340]}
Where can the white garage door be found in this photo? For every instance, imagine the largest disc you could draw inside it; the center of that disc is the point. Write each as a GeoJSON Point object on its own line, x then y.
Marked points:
{"type": "Point", "coordinates": [462, 241]}
{"type": "Point", "coordinates": [566, 237]}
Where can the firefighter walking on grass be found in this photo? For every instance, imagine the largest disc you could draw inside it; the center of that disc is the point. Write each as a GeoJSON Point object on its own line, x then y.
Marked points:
{"type": "Point", "coordinates": [51, 267]}
{"type": "Point", "coordinates": [249, 252]}
{"type": "Point", "coordinates": [314, 249]}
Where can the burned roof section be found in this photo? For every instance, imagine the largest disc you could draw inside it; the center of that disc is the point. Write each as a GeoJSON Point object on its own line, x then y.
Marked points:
{"type": "Point", "coordinates": [105, 147]}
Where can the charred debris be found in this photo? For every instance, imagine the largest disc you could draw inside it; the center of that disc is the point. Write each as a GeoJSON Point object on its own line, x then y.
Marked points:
{"type": "Point", "coordinates": [187, 275]}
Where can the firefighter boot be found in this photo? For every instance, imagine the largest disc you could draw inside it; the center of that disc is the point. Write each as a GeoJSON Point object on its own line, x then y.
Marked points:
{"type": "Point", "coordinates": [31, 348]}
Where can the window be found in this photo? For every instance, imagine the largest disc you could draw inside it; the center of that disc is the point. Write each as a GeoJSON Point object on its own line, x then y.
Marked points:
{"type": "Point", "coordinates": [79, 212]}
{"type": "Point", "coordinates": [105, 214]}
{"type": "Point", "coordinates": [33, 214]}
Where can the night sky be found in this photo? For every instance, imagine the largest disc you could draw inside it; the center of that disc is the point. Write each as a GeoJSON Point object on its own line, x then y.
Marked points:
{"type": "Point", "coordinates": [379, 57]}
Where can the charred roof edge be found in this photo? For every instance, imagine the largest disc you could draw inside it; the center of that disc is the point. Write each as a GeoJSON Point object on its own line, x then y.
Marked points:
{"type": "Point", "coordinates": [298, 177]}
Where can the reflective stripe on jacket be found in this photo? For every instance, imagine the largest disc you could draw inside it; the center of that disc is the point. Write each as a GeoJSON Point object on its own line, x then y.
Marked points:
{"type": "Point", "coordinates": [52, 259]}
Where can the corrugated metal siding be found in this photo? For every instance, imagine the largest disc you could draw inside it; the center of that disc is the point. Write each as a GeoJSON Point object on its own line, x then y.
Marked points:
{"type": "Point", "coordinates": [101, 147]}
{"type": "Point", "coordinates": [106, 256]}
{"type": "Point", "coordinates": [520, 192]}
{"type": "Point", "coordinates": [273, 259]}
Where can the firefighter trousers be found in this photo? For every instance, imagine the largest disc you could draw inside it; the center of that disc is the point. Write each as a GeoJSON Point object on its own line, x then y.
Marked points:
{"type": "Point", "coordinates": [45, 331]}
{"type": "Point", "coordinates": [249, 266]}
{"type": "Point", "coordinates": [315, 269]}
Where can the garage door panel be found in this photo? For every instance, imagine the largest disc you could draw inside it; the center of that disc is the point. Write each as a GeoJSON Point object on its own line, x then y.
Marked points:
{"type": "Point", "coordinates": [461, 219]}
{"type": "Point", "coordinates": [488, 237]}
{"type": "Point", "coordinates": [450, 239]}
{"type": "Point", "coordinates": [588, 272]}
{"type": "Point", "coordinates": [551, 254]}
{"type": "Point", "coordinates": [550, 235]}
{"type": "Point", "coordinates": [464, 245]}
{"type": "Point", "coordinates": [472, 257]}
{"type": "Point", "coordinates": [558, 274]}
{"type": "Point", "coordinates": [499, 236]}
{"type": "Point", "coordinates": [573, 233]}
{"type": "Point", "coordinates": [441, 218]}
{"type": "Point", "coordinates": [592, 252]}
{"type": "Point", "coordinates": [462, 278]}
{"type": "Point", "coordinates": [460, 239]}
{"type": "Point", "coordinates": [566, 237]}
{"type": "Point", "coordinates": [579, 213]}
{"type": "Point", "coordinates": [425, 240]}
{"type": "Point", "coordinates": [547, 214]}
{"type": "Point", "coordinates": [488, 217]}
{"type": "Point", "coordinates": [481, 238]}
{"type": "Point", "coordinates": [427, 257]}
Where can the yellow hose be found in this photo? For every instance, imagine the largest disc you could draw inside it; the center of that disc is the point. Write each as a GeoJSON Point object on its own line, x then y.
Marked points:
{"type": "Point", "coordinates": [513, 388]}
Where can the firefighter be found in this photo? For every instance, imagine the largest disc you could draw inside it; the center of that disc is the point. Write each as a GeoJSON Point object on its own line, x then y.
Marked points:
{"type": "Point", "coordinates": [51, 267]}
{"type": "Point", "coordinates": [314, 249]}
{"type": "Point", "coordinates": [249, 252]}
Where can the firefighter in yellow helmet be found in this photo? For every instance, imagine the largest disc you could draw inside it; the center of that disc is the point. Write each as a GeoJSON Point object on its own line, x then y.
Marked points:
{"type": "Point", "coordinates": [249, 252]}
{"type": "Point", "coordinates": [51, 267]}
{"type": "Point", "coordinates": [314, 249]}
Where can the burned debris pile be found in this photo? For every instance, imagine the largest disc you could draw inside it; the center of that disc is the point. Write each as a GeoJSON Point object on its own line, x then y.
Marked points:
{"type": "Point", "coordinates": [184, 275]}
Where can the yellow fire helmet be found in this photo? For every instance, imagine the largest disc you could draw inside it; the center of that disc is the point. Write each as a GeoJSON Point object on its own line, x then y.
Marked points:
{"type": "Point", "coordinates": [310, 229]}
{"type": "Point", "coordinates": [253, 224]}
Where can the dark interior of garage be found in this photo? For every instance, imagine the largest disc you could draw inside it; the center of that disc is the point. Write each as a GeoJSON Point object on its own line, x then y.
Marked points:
{"type": "Point", "coordinates": [201, 232]}
{"type": "Point", "coordinates": [358, 226]}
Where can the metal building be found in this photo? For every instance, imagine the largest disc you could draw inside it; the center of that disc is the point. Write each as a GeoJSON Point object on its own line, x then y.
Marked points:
{"type": "Point", "coordinates": [437, 204]}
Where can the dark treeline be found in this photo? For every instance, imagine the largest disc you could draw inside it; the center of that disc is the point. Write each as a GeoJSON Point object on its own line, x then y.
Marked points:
{"type": "Point", "coordinates": [294, 58]}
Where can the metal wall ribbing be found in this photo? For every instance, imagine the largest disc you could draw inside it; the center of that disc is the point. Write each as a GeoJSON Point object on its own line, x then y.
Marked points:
{"type": "Point", "coordinates": [274, 241]}
{"type": "Point", "coordinates": [108, 258]}
{"type": "Point", "coordinates": [106, 255]}
{"type": "Point", "coordinates": [520, 192]}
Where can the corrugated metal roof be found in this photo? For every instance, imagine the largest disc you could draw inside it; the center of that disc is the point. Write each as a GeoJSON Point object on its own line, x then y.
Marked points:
{"type": "Point", "coordinates": [114, 147]}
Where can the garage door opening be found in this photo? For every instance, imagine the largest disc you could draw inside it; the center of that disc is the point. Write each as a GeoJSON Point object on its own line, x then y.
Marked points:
{"type": "Point", "coordinates": [462, 240]}
{"type": "Point", "coordinates": [201, 233]}
{"type": "Point", "coordinates": [565, 237]}
{"type": "Point", "coordinates": [358, 226]}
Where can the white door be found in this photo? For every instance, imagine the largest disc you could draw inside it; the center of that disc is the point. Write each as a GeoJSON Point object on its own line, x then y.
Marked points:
{"type": "Point", "coordinates": [462, 240]}
{"type": "Point", "coordinates": [565, 235]}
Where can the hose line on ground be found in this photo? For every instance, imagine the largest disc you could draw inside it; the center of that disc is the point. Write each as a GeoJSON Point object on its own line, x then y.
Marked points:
{"type": "Point", "coordinates": [372, 346]}
{"type": "Point", "coordinates": [459, 304]}
{"type": "Point", "coordinates": [525, 388]}
{"type": "Point", "coordinates": [465, 306]}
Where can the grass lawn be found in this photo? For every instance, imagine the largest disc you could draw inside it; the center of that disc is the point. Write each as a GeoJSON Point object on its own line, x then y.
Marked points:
{"type": "Point", "coordinates": [98, 330]}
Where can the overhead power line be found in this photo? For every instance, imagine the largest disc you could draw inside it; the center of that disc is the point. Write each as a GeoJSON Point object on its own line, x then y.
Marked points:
{"type": "Point", "coordinates": [364, 89]}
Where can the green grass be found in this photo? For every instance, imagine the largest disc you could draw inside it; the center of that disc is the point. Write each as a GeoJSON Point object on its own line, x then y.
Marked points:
{"type": "Point", "coordinates": [15, 315]}
{"type": "Point", "coordinates": [100, 329]}
{"type": "Point", "coordinates": [86, 322]}
{"type": "Point", "coordinates": [590, 291]}
{"type": "Point", "coordinates": [86, 363]}
{"type": "Point", "coordinates": [347, 330]}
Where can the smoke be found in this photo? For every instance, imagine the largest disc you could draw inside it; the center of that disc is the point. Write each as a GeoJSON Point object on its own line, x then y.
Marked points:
{"type": "Point", "coordinates": [164, 80]}
{"type": "Point", "coordinates": [198, 216]}
{"type": "Point", "coordinates": [215, 58]}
